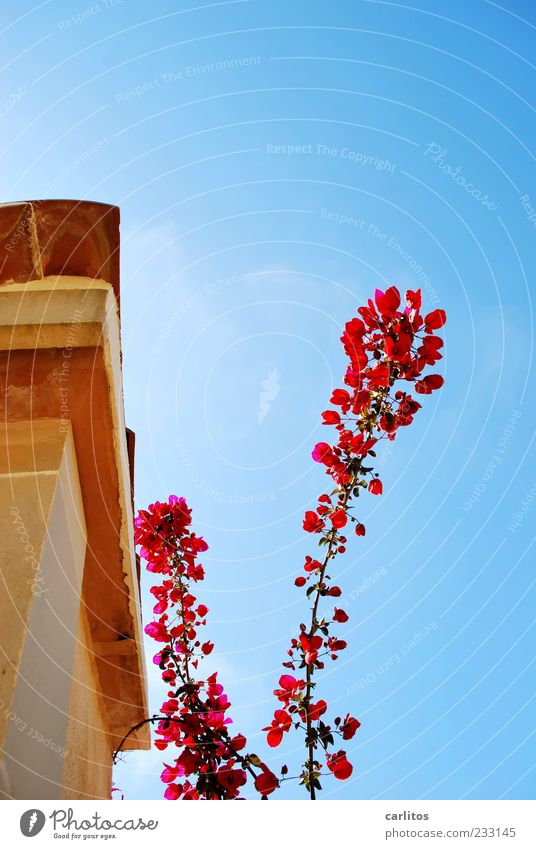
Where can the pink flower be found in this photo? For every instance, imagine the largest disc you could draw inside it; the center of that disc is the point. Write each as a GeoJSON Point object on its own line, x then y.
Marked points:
{"type": "Point", "coordinates": [157, 631]}
{"type": "Point", "coordinates": [323, 453]}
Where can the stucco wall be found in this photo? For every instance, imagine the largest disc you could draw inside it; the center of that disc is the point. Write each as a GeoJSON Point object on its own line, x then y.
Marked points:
{"type": "Point", "coordinates": [41, 601]}
{"type": "Point", "coordinates": [88, 764]}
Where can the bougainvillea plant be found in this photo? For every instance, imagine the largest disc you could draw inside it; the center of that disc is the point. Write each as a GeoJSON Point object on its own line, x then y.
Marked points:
{"type": "Point", "coordinates": [212, 763]}
{"type": "Point", "coordinates": [388, 347]}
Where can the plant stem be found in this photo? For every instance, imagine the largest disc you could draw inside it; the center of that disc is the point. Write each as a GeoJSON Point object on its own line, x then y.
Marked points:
{"type": "Point", "coordinates": [347, 489]}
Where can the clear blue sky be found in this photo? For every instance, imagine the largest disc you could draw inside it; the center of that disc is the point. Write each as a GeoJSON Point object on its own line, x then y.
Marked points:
{"type": "Point", "coordinates": [240, 265]}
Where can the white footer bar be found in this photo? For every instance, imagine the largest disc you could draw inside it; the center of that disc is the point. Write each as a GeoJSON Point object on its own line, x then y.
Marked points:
{"type": "Point", "coordinates": [363, 824]}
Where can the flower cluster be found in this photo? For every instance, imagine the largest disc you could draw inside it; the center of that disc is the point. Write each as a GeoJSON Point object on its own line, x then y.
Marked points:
{"type": "Point", "coordinates": [387, 346]}
{"type": "Point", "coordinates": [211, 763]}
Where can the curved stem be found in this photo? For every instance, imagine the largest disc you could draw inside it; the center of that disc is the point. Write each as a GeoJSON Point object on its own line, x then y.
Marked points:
{"type": "Point", "coordinates": [220, 735]}
{"type": "Point", "coordinates": [135, 728]}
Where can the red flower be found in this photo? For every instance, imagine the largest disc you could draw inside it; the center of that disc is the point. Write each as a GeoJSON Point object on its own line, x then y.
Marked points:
{"type": "Point", "coordinates": [195, 572]}
{"type": "Point", "coordinates": [312, 523]}
{"type": "Point", "coordinates": [266, 782]}
{"type": "Point", "coordinates": [338, 519]}
{"type": "Point", "coordinates": [349, 726]}
{"type": "Point", "coordinates": [188, 761]}
{"type": "Point", "coordinates": [339, 765]}
{"type": "Point", "coordinates": [387, 302]}
{"type": "Point", "coordinates": [434, 320]}
{"type": "Point", "coordinates": [310, 647]}
{"type": "Point", "coordinates": [173, 791]}
{"type": "Point", "coordinates": [300, 581]}
{"type": "Point", "coordinates": [428, 384]}
{"type": "Point", "coordinates": [340, 615]}
{"type": "Point", "coordinates": [206, 648]}
{"type": "Point", "coordinates": [336, 645]}
{"type": "Point", "coordinates": [341, 398]}
{"type": "Point", "coordinates": [317, 710]}
{"type": "Point", "coordinates": [231, 779]}
{"type": "Point", "coordinates": [375, 486]}
{"type": "Point", "coordinates": [414, 300]}
{"type": "Point", "coordinates": [360, 529]}
{"type": "Point", "coordinates": [189, 792]}
{"type": "Point", "coordinates": [429, 350]}
{"type": "Point", "coordinates": [202, 611]}
{"type": "Point", "coordinates": [354, 331]}
{"type": "Point", "coordinates": [290, 688]}
{"type": "Point", "coordinates": [360, 445]}
{"type": "Point", "coordinates": [280, 723]}
{"type": "Point", "coordinates": [170, 707]}
{"type": "Point", "coordinates": [238, 742]}
{"type": "Point", "coordinates": [388, 423]}
{"type": "Point", "coordinates": [399, 348]}
{"type": "Point", "coordinates": [369, 314]}
{"type": "Point", "coordinates": [361, 400]}
{"type": "Point", "coordinates": [330, 417]}
{"type": "Point", "coordinates": [169, 774]}
{"type": "Point", "coordinates": [379, 375]}
{"type": "Point", "coordinates": [197, 544]}
{"type": "Point", "coordinates": [352, 340]}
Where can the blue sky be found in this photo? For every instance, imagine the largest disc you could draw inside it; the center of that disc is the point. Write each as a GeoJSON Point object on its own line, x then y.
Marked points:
{"type": "Point", "coordinates": [274, 164]}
